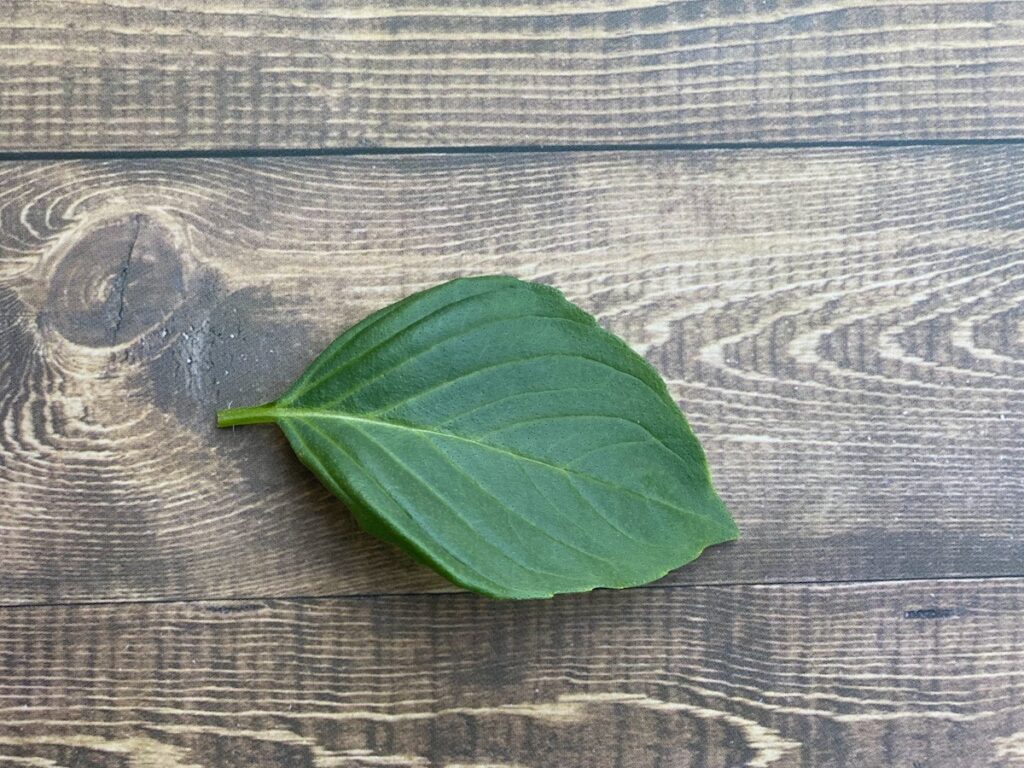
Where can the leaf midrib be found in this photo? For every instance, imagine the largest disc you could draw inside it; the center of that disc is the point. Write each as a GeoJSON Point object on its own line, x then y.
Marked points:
{"type": "Point", "coordinates": [278, 412]}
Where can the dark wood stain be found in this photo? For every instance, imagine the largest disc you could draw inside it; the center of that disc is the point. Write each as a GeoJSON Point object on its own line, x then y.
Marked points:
{"type": "Point", "coordinates": [930, 613]}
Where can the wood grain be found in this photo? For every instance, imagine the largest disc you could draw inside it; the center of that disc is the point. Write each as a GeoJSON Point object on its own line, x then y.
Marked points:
{"type": "Point", "coordinates": [845, 330]}
{"type": "Point", "coordinates": [765, 677]}
{"type": "Point", "coordinates": [179, 74]}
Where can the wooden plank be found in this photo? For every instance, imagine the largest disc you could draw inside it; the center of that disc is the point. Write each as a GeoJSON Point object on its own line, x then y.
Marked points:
{"type": "Point", "coordinates": [925, 674]}
{"type": "Point", "coordinates": [174, 74]}
{"type": "Point", "coordinates": [844, 330]}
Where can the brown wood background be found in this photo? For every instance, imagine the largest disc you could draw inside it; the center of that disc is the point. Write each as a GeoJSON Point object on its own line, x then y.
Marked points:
{"type": "Point", "coordinates": [843, 325]}
{"type": "Point", "coordinates": [140, 74]}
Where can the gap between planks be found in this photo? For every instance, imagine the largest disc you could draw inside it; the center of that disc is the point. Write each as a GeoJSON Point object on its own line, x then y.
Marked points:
{"type": "Point", "coordinates": [488, 149]}
{"type": "Point", "coordinates": [459, 593]}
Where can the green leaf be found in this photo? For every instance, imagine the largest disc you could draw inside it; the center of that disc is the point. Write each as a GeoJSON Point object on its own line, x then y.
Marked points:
{"type": "Point", "coordinates": [493, 430]}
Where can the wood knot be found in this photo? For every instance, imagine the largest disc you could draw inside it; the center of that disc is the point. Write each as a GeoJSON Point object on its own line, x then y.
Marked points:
{"type": "Point", "coordinates": [115, 282]}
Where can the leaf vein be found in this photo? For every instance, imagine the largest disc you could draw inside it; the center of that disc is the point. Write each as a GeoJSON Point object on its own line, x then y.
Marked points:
{"type": "Point", "coordinates": [396, 502]}
{"type": "Point", "coordinates": [288, 412]}
{"type": "Point", "coordinates": [524, 359]}
{"type": "Point", "coordinates": [525, 518]}
{"type": "Point", "coordinates": [362, 384]}
{"type": "Point", "coordinates": [333, 355]}
{"type": "Point", "coordinates": [447, 504]}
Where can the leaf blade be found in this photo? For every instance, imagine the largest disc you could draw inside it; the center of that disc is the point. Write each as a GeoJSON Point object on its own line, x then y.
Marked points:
{"type": "Point", "coordinates": [455, 425]}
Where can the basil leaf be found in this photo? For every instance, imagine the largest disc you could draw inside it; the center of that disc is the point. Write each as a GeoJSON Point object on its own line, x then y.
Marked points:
{"type": "Point", "coordinates": [493, 430]}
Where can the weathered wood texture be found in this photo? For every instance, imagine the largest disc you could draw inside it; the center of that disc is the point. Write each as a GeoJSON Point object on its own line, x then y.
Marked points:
{"type": "Point", "coordinates": [174, 74]}
{"type": "Point", "coordinates": [844, 329]}
{"type": "Point", "coordinates": [768, 677]}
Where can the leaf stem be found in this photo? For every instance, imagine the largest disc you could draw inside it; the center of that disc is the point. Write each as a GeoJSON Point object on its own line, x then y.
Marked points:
{"type": "Point", "coordinates": [257, 414]}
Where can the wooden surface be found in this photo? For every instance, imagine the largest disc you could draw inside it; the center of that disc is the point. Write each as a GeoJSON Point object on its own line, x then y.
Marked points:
{"type": "Point", "coordinates": [834, 675]}
{"type": "Point", "coordinates": [832, 283]}
{"type": "Point", "coordinates": [174, 74]}
{"type": "Point", "coordinates": [842, 328]}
